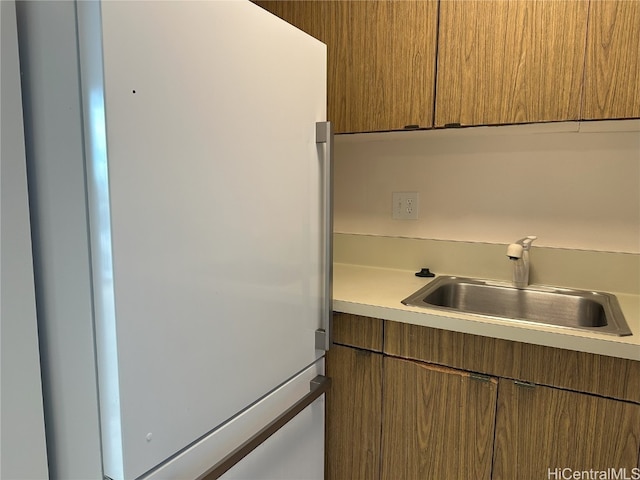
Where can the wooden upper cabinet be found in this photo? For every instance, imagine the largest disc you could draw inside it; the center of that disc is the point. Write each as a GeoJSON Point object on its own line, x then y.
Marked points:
{"type": "Point", "coordinates": [612, 75]}
{"type": "Point", "coordinates": [328, 22]}
{"type": "Point", "coordinates": [498, 61]}
{"type": "Point", "coordinates": [510, 61]}
{"type": "Point", "coordinates": [381, 59]}
{"type": "Point", "coordinates": [391, 67]}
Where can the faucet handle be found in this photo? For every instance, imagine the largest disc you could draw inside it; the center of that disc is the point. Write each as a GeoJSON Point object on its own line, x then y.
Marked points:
{"type": "Point", "coordinates": [526, 242]}
{"type": "Point", "coordinates": [516, 250]}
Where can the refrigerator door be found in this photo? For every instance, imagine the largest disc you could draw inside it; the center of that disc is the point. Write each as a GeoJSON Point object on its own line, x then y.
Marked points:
{"type": "Point", "coordinates": [205, 219]}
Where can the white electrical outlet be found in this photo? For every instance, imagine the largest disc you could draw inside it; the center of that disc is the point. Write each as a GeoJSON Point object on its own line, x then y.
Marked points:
{"type": "Point", "coordinates": [405, 205]}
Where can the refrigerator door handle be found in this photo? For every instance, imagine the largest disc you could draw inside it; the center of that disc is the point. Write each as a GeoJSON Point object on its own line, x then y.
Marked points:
{"type": "Point", "coordinates": [319, 385]}
{"type": "Point", "coordinates": [324, 135]}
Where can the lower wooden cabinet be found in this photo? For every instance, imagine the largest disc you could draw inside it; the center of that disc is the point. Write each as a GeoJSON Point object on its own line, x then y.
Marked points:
{"type": "Point", "coordinates": [354, 411]}
{"type": "Point", "coordinates": [437, 422]}
{"type": "Point", "coordinates": [541, 430]}
{"type": "Point", "coordinates": [394, 418]}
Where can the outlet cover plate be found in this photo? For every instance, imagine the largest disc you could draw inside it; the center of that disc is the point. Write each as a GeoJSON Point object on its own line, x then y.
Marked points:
{"type": "Point", "coordinates": [405, 205]}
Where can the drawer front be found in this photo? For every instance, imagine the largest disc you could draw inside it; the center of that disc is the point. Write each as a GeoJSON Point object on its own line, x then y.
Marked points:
{"type": "Point", "coordinates": [358, 331]}
{"type": "Point", "coordinates": [584, 372]}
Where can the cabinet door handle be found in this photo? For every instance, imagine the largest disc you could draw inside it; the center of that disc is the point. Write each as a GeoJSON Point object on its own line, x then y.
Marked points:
{"type": "Point", "coordinates": [480, 377]}
{"type": "Point", "coordinates": [522, 384]}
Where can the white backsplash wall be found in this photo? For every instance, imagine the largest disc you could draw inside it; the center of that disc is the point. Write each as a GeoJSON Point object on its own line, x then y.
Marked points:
{"type": "Point", "coordinates": [574, 185]}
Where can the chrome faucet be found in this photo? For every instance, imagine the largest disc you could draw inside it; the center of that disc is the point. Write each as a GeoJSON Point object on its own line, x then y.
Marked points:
{"type": "Point", "coordinates": [519, 253]}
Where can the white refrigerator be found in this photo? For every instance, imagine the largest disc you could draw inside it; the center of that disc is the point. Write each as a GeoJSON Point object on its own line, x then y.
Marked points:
{"type": "Point", "coordinates": [178, 159]}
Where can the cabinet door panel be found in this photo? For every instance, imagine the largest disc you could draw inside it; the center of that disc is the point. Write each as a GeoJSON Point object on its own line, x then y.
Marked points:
{"type": "Point", "coordinates": [328, 21]}
{"type": "Point", "coordinates": [510, 61]}
{"type": "Point", "coordinates": [391, 68]}
{"type": "Point", "coordinates": [612, 80]}
{"type": "Point", "coordinates": [381, 58]}
{"type": "Point", "coordinates": [354, 407]}
{"type": "Point", "coordinates": [542, 428]}
{"type": "Point", "coordinates": [437, 423]}
{"type": "Point", "coordinates": [580, 371]}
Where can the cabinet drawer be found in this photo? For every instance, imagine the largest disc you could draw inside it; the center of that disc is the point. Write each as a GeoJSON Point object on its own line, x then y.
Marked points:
{"type": "Point", "coordinates": [357, 331]}
{"type": "Point", "coordinates": [584, 372]}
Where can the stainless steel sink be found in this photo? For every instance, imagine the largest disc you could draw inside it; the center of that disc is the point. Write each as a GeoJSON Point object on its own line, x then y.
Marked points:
{"type": "Point", "coordinates": [577, 309]}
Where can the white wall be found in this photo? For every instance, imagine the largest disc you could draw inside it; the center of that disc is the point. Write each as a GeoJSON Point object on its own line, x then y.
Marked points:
{"type": "Point", "coordinates": [22, 437]}
{"type": "Point", "coordinates": [574, 185]}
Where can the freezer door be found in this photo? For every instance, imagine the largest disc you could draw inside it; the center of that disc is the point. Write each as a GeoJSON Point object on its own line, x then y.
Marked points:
{"type": "Point", "coordinates": [206, 215]}
{"type": "Point", "coordinates": [294, 452]}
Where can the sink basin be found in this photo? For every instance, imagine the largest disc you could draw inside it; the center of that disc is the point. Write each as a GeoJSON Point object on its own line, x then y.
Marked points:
{"type": "Point", "coordinates": [576, 309]}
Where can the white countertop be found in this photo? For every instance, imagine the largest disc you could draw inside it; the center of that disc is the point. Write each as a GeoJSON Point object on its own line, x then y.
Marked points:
{"type": "Point", "coordinates": [377, 292]}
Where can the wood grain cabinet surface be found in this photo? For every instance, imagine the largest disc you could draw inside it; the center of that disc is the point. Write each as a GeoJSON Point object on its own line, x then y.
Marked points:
{"type": "Point", "coordinates": [510, 61]}
{"type": "Point", "coordinates": [580, 371]}
{"type": "Point", "coordinates": [541, 429]}
{"type": "Point", "coordinates": [328, 22]}
{"type": "Point", "coordinates": [358, 331]}
{"type": "Point", "coordinates": [612, 71]}
{"type": "Point", "coordinates": [353, 414]}
{"type": "Point", "coordinates": [391, 70]}
{"type": "Point", "coordinates": [381, 59]}
{"type": "Point", "coordinates": [426, 63]}
{"type": "Point", "coordinates": [446, 405]}
{"type": "Point", "coordinates": [437, 423]}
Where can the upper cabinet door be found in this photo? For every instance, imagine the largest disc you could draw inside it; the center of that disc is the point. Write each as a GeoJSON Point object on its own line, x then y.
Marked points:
{"type": "Point", "coordinates": [391, 65]}
{"type": "Point", "coordinates": [612, 80]}
{"type": "Point", "coordinates": [328, 22]}
{"type": "Point", "coordinates": [510, 61]}
{"type": "Point", "coordinates": [381, 59]}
